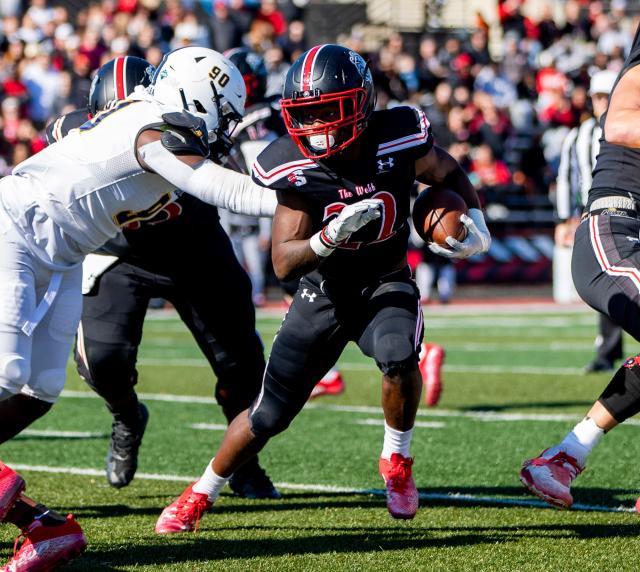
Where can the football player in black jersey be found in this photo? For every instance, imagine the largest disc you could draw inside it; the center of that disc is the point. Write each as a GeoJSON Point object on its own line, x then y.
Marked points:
{"type": "Point", "coordinates": [150, 259]}
{"type": "Point", "coordinates": [605, 267]}
{"type": "Point", "coordinates": [343, 174]}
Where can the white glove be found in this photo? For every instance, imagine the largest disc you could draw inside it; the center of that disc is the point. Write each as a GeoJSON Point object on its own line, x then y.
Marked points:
{"type": "Point", "coordinates": [351, 218]}
{"type": "Point", "coordinates": [478, 239]}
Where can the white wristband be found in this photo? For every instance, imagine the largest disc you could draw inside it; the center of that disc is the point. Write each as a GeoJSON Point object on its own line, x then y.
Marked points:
{"type": "Point", "coordinates": [321, 245]}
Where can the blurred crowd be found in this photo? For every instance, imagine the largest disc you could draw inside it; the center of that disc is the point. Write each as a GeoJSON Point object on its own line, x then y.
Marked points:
{"type": "Point", "coordinates": [503, 113]}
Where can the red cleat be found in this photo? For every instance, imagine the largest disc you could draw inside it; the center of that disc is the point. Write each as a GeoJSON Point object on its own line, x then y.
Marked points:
{"type": "Point", "coordinates": [550, 478]}
{"type": "Point", "coordinates": [328, 385]}
{"type": "Point", "coordinates": [47, 547]}
{"type": "Point", "coordinates": [430, 366]}
{"type": "Point", "coordinates": [11, 485]}
{"type": "Point", "coordinates": [183, 514]}
{"type": "Point", "coordinates": [402, 495]}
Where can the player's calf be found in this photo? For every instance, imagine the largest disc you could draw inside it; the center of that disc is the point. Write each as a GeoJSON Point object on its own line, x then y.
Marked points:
{"type": "Point", "coordinates": [18, 412]}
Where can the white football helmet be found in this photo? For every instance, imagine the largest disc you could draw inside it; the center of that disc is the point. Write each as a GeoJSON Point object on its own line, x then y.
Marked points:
{"type": "Point", "coordinates": [206, 84]}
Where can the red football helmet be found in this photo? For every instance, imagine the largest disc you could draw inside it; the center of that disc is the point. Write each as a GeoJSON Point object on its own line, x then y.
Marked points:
{"type": "Point", "coordinates": [328, 97]}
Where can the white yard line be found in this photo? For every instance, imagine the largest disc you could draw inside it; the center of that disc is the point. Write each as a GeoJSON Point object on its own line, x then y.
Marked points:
{"type": "Point", "coordinates": [209, 426]}
{"type": "Point", "coordinates": [380, 423]}
{"type": "Point", "coordinates": [450, 497]}
{"type": "Point", "coordinates": [349, 366]}
{"type": "Point", "coordinates": [62, 434]}
{"type": "Point", "coordinates": [161, 343]}
{"type": "Point", "coordinates": [479, 415]}
{"type": "Point", "coordinates": [148, 396]}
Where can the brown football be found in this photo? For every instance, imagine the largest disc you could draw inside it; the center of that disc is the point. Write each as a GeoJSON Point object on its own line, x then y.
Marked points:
{"type": "Point", "coordinates": [436, 215]}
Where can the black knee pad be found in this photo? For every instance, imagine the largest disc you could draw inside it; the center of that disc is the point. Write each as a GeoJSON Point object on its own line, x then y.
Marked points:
{"type": "Point", "coordinates": [238, 384]}
{"type": "Point", "coordinates": [36, 406]}
{"type": "Point", "coordinates": [394, 354]}
{"type": "Point", "coordinates": [621, 397]}
{"type": "Point", "coordinates": [109, 370]}
{"type": "Point", "coordinates": [274, 409]}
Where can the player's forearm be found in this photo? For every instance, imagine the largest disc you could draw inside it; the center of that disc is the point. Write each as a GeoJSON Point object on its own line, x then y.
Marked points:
{"type": "Point", "coordinates": [623, 114]}
{"type": "Point", "coordinates": [210, 182]}
{"type": "Point", "coordinates": [293, 259]}
{"type": "Point", "coordinates": [621, 128]}
{"type": "Point", "coordinates": [437, 167]}
{"type": "Point", "coordinates": [457, 180]}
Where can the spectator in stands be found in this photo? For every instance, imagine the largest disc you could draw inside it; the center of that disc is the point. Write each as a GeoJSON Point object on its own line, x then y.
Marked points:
{"type": "Point", "coordinates": [478, 47]}
{"type": "Point", "coordinates": [489, 125]}
{"type": "Point", "coordinates": [269, 12]}
{"type": "Point", "coordinates": [437, 108]}
{"type": "Point", "coordinates": [294, 42]}
{"type": "Point", "coordinates": [227, 25]}
{"type": "Point", "coordinates": [489, 175]}
{"type": "Point", "coordinates": [277, 67]}
{"type": "Point", "coordinates": [430, 71]}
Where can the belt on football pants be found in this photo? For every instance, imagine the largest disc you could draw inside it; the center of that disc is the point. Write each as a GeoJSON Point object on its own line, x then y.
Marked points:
{"type": "Point", "coordinates": [43, 307]}
{"type": "Point", "coordinates": [613, 206]}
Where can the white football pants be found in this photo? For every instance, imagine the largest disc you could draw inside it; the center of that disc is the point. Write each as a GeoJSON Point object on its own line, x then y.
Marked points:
{"type": "Point", "coordinates": [33, 359]}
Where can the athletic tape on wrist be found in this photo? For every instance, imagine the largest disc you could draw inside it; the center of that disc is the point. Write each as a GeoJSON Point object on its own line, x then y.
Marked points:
{"type": "Point", "coordinates": [321, 244]}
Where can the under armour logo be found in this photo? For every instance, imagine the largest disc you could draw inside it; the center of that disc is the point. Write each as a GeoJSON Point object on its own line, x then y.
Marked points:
{"type": "Point", "coordinates": [307, 294]}
{"type": "Point", "coordinates": [385, 165]}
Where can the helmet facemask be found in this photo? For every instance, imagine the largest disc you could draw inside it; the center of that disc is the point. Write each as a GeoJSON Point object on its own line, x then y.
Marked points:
{"type": "Point", "coordinates": [220, 141]}
{"type": "Point", "coordinates": [220, 124]}
{"type": "Point", "coordinates": [341, 119]}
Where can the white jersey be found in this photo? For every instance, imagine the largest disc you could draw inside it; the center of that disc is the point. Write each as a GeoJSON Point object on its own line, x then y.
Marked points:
{"type": "Point", "coordinates": [78, 193]}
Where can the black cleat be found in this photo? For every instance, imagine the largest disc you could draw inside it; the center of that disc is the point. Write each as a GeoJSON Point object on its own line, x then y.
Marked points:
{"type": "Point", "coordinates": [599, 365]}
{"type": "Point", "coordinates": [252, 482]}
{"type": "Point", "coordinates": [122, 457]}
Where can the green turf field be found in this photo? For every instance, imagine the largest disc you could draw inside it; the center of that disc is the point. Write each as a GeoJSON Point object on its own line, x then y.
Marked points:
{"type": "Point", "coordinates": [513, 385]}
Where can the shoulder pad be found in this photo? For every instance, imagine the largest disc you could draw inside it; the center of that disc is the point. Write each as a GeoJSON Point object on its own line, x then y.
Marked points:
{"type": "Point", "coordinates": [184, 119]}
{"type": "Point", "coordinates": [184, 134]}
{"type": "Point", "coordinates": [280, 164]}
{"type": "Point", "coordinates": [61, 126]}
{"type": "Point", "coordinates": [403, 128]}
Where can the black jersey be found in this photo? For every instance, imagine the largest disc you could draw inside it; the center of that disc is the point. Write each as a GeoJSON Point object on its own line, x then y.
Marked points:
{"type": "Point", "coordinates": [617, 168]}
{"type": "Point", "coordinates": [392, 142]}
{"type": "Point", "coordinates": [149, 243]}
{"type": "Point", "coordinates": [59, 128]}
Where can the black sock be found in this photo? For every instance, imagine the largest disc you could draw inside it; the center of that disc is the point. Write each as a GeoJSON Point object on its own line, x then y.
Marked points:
{"type": "Point", "coordinates": [24, 512]}
{"type": "Point", "coordinates": [127, 410]}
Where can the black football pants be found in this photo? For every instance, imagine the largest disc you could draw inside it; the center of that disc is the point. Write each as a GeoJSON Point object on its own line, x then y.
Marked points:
{"type": "Point", "coordinates": [384, 318]}
{"type": "Point", "coordinates": [212, 295]}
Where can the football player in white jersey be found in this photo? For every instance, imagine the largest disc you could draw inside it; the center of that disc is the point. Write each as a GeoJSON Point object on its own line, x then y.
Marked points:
{"type": "Point", "coordinates": [63, 203]}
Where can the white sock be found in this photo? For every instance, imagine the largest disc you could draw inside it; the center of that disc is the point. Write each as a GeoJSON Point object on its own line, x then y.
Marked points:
{"type": "Point", "coordinates": [582, 439]}
{"type": "Point", "coordinates": [396, 442]}
{"type": "Point", "coordinates": [330, 375]}
{"type": "Point", "coordinates": [210, 484]}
